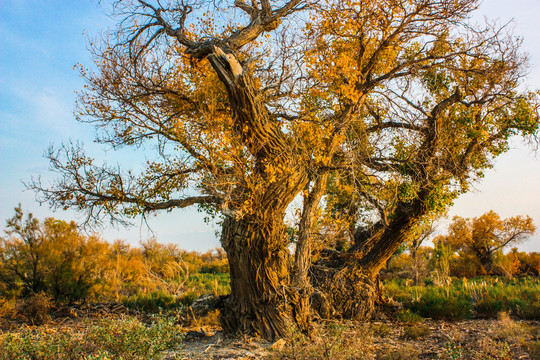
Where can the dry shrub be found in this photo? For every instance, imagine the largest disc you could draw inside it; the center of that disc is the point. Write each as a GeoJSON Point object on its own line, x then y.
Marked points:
{"type": "Point", "coordinates": [506, 265]}
{"type": "Point", "coordinates": [36, 308]}
{"type": "Point", "coordinates": [533, 348]}
{"type": "Point", "coordinates": [507, 329]}
{"type": "Point", "coordinates": [381, 330]}
{"type": "Point", "coordinates": [7, 308]}
{"type": "Point", "coordinates": [465, 265]}
{"type": "Point", "coordinates": [482, 348]}
{"type": "Point", "coordinates": [210, 319]}
{"type": "Point", "coordinates": [527, 336]}
{"type": "Point", "coordinates": [490, 349]}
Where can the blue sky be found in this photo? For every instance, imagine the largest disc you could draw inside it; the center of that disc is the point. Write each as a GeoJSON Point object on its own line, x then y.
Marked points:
{"type": "Point", "coordinates": [41, 41]}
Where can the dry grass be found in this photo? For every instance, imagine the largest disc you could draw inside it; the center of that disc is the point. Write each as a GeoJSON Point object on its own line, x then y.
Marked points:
{"type": "Point", "coordinates": [210, 319]}
{"type": "Point", "coordinates": [505, 338]}
{"type": "Point", "coordinates": [330, 341]}
{"type": "Point", "coordinates": [406, 352]}
{"type": "Point", "coordinates": [413, 332]}
{"type": "Point", "coordinates": [518, 333]}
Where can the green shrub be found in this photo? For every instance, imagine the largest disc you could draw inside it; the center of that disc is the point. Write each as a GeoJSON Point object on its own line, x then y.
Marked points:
{"type": "Point", "coordinates": [529, 311]}
{"type": "Point", "coordinates": [129, 338]}
{"type": "Point", "coordinates": [408, 317]}
{"type": "Point", "coordinates": [489, 307]}
{"type": "Point", "coordinates": [40, 345]}
{"type": "Point", "coordinates": [152, 302]}
{"type": "Point", "coordinates": [188, 298]}
{"type": "Point", "coordinates": [204, 283]}
{"type": "Point", "coordinates": [125, 338]}
{"type": "Point", "coordinates": [439, 304]}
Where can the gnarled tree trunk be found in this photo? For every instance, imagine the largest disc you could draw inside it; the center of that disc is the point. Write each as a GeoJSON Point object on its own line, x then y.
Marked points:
{"type": "Point", "coordinates": [258, 261]}
{"type": "Point", "coordinates": [257, 243]}
{"type": "Point", "coordinates": [302, 262]}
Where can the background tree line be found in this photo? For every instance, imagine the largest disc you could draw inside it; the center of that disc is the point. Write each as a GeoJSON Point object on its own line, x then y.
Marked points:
{"type": "Point", "coordinates": [471, 248]}
{"type": "Point", "coordinates": [53, 257]}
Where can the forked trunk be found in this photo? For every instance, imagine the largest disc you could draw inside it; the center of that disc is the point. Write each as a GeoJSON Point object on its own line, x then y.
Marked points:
{"type": "Point", "coordinates": [258, 260]}
{"type": "Point", "coordinates": [349, 282]}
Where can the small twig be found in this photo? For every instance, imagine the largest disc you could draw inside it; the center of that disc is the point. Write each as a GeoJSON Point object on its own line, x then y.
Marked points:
{"type": "Point", "coordinates": [208, 348]}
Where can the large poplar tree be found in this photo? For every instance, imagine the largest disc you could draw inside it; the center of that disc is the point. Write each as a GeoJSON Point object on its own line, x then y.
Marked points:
{"type": "Point", "coordinates": [394, 104]}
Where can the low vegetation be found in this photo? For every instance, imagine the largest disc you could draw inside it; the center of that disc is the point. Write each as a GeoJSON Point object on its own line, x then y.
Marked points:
{"type": "Point", "coordinates": [54, 259]}
{"type": "Point", "coordinates": [139, 302]}
{"type": "Point", "coordinates": [503, 338]}
{"type": "Point", "coordinates": [121, 338]}
{"type": "Point", "coordinates": [466, 299]}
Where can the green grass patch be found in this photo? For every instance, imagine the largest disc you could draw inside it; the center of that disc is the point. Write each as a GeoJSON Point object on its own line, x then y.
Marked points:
{"type": "Point", "coordinates": [152, 302]}
{"type": "Point", "coordinates": [196, 285]}
{"type": "Point", "coordinates": [407, 316]}
{"type": "Point", "coordinates": [464, 299]}
{"type": "Point", "coordinates": [217, 284]}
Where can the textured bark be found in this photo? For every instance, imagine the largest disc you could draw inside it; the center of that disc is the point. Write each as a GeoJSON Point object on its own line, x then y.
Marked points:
{"type": "Point", "coordinates": [258, 261]}
{"type": "Point", "coordinates": [348, 282]}
{"type": "Point", "coordinates": [345, 289]}
{"type": "Point", "coordinates": [303, 246]}
{"type": "Point", "coordinates": [384, 244]}
{"type": "Point", "coordinates": [257, 243]}
{"type": "Point", "coordinates": [373, 251]}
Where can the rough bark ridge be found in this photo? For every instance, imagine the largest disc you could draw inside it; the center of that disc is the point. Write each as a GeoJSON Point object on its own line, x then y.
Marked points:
{"type": "Point", "coordinates": [302, 263]}
{"type": "Point", "coordinates": [258, 264]}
